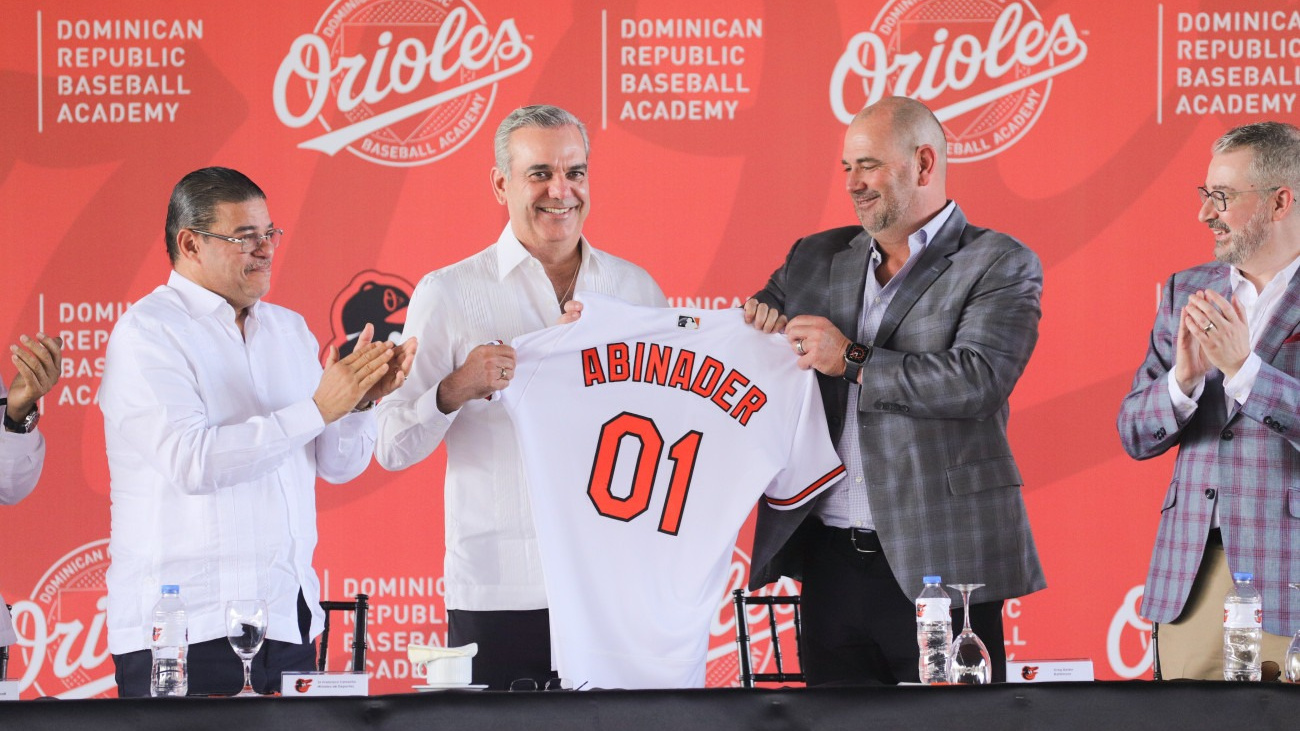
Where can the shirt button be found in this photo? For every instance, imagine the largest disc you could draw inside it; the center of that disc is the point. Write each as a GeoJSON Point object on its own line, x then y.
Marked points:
{"type": "Point", "coordinates": [1227, 435]}
{"type": "Point", "coordinates": [859, 479]}
{"type": "Point", "coordinates": [1210, 493]}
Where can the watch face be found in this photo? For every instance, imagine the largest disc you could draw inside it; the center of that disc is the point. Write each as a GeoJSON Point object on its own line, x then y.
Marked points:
{"type": "Point", "coordinates": [857, 353]}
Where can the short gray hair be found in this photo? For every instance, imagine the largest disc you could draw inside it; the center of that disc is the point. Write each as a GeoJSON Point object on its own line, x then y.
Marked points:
{"type": "Point", "coordinates": [1277, 151]}
{"type": "Point", "coordinates": [537, 115]}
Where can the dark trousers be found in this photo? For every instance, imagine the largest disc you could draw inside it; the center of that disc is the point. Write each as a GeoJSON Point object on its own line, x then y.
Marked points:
{"type": "Point", "coordinates": [215, 669]}
{"type": "Point", "coordinates": [511, 644]}
{"type": "Point", "coordinates": [859, 626]}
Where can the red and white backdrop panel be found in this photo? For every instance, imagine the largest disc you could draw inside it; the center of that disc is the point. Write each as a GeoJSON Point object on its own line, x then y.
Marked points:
{"type": "Point", "coordinates": [1079, 127]}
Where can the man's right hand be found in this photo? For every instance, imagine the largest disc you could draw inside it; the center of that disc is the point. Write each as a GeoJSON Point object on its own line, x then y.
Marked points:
{"type": "Point", "coordinates": [487, 369]}
{"type": "Point", "coordinates": [764, 318]}
{"type": "Point", "coordinates": [346, 381]}
{"type": "Point", "coordinates": [1190, 363]}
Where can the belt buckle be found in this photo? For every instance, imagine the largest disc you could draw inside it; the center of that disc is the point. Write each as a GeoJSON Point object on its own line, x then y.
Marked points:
{"type": "Point", "coordinates": [853, 538]}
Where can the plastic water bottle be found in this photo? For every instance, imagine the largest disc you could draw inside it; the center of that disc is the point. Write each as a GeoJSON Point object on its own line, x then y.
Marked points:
{"type": "Point", "coordinates": [933, 631]}
{"type": "Point", "coordinates": [1243, 618]}
{"type": "Point", "coordinates": [170, 675]}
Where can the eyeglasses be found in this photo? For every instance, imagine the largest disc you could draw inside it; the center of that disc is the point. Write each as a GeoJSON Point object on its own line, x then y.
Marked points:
{"type": "Point", "coordinates": [526, 684]}
{"type": "Point", "coordinates": [248, 242]}
{"type": "Point", "coordinates": [1221, 197]}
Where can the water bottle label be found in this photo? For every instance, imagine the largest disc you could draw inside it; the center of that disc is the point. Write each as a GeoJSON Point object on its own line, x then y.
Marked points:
{"type": "Point", "coordinates": [1242, 616]}
{"type": "Point", "coordinates": [933, 610]}
{"type": "Point", "coordinates": [167, 653]}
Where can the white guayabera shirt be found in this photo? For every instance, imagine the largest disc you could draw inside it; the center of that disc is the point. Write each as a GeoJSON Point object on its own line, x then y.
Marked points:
{"type": "Point", "coordinates": [214, 446]}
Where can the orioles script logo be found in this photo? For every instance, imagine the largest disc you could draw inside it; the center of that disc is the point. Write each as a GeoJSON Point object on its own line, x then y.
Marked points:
{"type": "Point", "coordinates": [985, 67]}
{"type": "Point", "coordinates": [61, 633]}
{"type": "Point", "coordinates": [410, 80]}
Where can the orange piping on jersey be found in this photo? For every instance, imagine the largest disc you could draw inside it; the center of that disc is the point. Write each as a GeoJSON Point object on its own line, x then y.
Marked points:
{"type": "Point", "coordinates": [808, 490]}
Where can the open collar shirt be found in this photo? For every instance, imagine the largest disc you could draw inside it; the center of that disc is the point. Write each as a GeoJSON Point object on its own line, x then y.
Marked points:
{"type": "Point", "coordinates": [491, 561]}
{"type": "Point", "coordinates": [214, 445]}
{"type": "Point", "coordinates": [846, 504]}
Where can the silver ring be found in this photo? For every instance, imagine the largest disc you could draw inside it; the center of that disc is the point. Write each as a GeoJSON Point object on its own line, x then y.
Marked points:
{"type": "Point", "coordinates": [798, 345]}
{"type": "Point", "coordinates": [1209, 327]}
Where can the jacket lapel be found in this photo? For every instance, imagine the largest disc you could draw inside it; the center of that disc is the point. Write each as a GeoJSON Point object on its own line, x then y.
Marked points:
{"type": "Point", "coordinates": [848, 278]}
{"type": "Point", "coordinates": [933, 262]}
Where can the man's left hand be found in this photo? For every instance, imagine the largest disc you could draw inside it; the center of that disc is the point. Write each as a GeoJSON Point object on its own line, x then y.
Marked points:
{"type": "Point", "coordinates": [818, 343]}
{"type": "Point", "coordinates": [1221, 329]}
{"type": "Point", "coordinates": [38, 361]}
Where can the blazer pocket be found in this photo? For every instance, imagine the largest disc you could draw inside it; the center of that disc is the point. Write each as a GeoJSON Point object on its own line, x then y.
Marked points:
{"type": "Point", "coordinates": [985, 474]}
{"type": "Point", "coordinates": [1171, 498]}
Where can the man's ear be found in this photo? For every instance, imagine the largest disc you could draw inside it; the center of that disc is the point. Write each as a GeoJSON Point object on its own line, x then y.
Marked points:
{"type": "Point", "coordinates": [926, 160]}
{"type": "Point", "coordinates": [499, 185]}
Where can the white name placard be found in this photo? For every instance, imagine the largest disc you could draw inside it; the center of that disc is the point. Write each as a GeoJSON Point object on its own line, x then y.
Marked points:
{"type": "Point", "coordinates": [1048, 671]}
{"type": "Point", "coordinates": [305, 685]}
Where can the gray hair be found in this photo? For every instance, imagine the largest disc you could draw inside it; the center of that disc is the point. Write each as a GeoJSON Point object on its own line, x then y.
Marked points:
{"type": "Point", "coordinates": [537, 115]}
{"type": "Point", "coordinates": [196, 197]}
{"type": "Point", "coordinates": [1277, 151]}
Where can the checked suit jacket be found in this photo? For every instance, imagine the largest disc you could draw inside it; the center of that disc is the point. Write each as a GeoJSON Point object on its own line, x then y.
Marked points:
{"type": "Point", "coordinates": [942, 484]}
{"type": "Point", "coordinates": [1244, 458]}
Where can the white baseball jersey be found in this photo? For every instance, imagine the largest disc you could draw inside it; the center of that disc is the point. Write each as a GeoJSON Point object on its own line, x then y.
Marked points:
{"type": "Point", "coordinates": [647, 435]}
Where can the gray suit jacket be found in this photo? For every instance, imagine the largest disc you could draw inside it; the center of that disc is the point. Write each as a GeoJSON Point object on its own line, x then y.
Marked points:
{"type": "Point", "coordinates": [943, 487]}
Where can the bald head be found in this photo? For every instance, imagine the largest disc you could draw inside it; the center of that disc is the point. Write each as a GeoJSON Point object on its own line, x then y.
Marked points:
{"type": "Point", "coordinates": [895, 160]}
{"type": "Point", "coordinates": [911, 124]}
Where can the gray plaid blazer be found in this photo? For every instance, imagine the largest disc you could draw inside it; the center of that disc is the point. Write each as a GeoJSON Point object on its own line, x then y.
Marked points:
{"type": "Point", "coordinates": [1246, 458]}
{"type": "Point", "coordinates": [943, 487]}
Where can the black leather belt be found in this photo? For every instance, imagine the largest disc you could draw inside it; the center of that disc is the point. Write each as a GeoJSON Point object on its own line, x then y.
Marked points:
{"type": "Point", "coordinates": [862, 540]}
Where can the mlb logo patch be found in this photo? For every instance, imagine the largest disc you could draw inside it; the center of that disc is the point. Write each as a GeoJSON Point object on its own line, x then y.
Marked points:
{"type": "Point", "coordinates": [690, 322]}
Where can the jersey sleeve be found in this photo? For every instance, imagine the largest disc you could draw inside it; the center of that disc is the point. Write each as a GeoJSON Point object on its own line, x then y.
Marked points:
{"type": "Point", "coordinates": [812, 464]}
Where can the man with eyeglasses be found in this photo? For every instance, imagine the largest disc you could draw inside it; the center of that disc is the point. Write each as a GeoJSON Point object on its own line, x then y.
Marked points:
{"type": "Point", "coordinates": [1221, 381]}
{"type": "Point", "coordinates": [218, 419]}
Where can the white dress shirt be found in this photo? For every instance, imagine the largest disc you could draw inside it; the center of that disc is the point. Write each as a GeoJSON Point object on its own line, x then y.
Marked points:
{"type": "Point", "coordinates": [21, 458]}
{"type": "Point", "coordinates": [214, 445]}
{"type": "Point", "coordinates": [500, 293]}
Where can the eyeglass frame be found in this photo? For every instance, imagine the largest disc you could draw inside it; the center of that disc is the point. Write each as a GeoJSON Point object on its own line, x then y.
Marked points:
{"type": "Point", "coordinates": [244, 246]}
{"type": "Point", "coordinates": [1220, 197]}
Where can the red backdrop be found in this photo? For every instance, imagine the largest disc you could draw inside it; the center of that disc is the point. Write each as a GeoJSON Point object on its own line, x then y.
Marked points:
{"type": "Point", "coordinates": [716, 126]}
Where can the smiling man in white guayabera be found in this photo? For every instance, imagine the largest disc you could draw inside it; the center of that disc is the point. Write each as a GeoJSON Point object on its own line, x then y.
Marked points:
{"type": "Point", "coordinates": [462, 314]}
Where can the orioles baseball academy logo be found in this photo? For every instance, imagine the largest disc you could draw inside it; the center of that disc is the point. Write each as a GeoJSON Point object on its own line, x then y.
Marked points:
{"type": "Point", "coordinates": [371, 297]}
{"type": "Point", "coordinates": [62, 640]}
{"type": "Point", "coordinates": [410, 81]}
{"type": "Point", "coordinates": [1029, 672]}
{"type": "Point", "coordinates": [985, 67]}
{"type": "Point", "coordinates": [302, 684]}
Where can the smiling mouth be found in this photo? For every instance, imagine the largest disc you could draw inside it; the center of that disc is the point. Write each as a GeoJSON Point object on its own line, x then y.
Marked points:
{"type": "Point", "coordinates": [556, 211]}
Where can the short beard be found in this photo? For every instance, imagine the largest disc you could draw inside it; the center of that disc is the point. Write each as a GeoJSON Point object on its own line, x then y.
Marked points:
{"type": "Point", "coordinates": [1243, 243]}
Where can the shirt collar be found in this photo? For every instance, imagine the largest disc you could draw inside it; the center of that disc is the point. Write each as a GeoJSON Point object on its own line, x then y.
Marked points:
{"type": "Point", "coordinates": [919, 239]}
{"type": "Point", "coordinates": [511, 253]}
{"type": "Point", "coordinates": [1282, 278]}
{"type": "Point", "coordinates": [200, 301]}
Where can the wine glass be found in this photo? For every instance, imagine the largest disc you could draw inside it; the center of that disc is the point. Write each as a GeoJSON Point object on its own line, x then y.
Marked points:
{"type": "Point", "coordinates": [1293, 653]}
{"type": "Point", "coordinates": [246, 628]}
{"type": "Point", "coordinates": [969, 662]}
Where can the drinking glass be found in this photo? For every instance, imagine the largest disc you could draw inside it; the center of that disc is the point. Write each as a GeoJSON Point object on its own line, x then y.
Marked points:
{"type": "Point", "coordinates": [1293, 654]}
{"type": "Point", "coordinates": [246, 628]}
{"type": "Point", "coordinates": [969, 663]}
